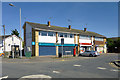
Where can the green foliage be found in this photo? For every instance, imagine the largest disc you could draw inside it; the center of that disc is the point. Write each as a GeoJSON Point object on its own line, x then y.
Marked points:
{"type": "Point", "coordinates": [113, 45]}
{"type": "Point", "coordinates": [110, 42]}
{"type": "Point", "coordinates": [15, 32]}
{"type": "Point", "coordinates": [118, 42]}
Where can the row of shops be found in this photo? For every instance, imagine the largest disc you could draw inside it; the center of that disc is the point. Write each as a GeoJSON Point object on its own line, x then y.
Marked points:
{"type": "Point", "coordinates": [45, 39]}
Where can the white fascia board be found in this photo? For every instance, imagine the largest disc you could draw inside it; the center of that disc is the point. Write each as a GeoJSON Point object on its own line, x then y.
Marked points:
{"type": "Point", "coordinates": [55, 31]}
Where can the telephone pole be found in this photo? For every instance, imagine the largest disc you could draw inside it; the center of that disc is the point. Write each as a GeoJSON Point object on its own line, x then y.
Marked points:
{"type": "Point", "coordinates": [4, 38]}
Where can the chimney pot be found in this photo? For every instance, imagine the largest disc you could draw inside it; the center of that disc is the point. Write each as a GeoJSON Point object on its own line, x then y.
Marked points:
{"type": "Point", "coordinates": [48, 23]}
{"type": "Point", "coordinates": [85, 29]}
{"type": "Point", "coordinates": [69, 27]}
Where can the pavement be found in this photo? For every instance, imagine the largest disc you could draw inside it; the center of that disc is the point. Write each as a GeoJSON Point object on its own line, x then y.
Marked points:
{"type": "Point", "coordinates": [43, 59]}
{"type": "Point", "coordinates": [52, 67]}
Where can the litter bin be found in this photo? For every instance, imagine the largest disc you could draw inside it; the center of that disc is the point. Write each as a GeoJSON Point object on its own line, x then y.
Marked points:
{"type": "Point", "coordinates": [28, 54]}
{"type": "Point", "coordinates": [60, 55]}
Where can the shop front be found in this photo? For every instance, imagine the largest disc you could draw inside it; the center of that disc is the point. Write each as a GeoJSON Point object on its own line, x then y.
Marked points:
{"type": "Point", "coordinates": [85, 47]}
{"type": "Point", "coordinates": [99, 48]}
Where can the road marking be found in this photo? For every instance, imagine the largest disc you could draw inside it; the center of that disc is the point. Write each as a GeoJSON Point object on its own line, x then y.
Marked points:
{"type": "Point", "coordinates": [77, 65]}
{"type": "Point", "coordinates": [36, 76]}
{"type": "Point", "coordinates": [56, 72]}
{"type": "Point", "coordinates": [62, 60]}
{"type": "Point", "coordinates": [101, 68]}
{"type": "Point", "coordinates": [113, 65]}
{"type": "Point", "coordinates": [116, 70]}
{"type": "Point", "coordinates": [5, 77]}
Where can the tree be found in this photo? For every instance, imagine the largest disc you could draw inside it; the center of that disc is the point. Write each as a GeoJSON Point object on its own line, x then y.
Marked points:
{"type": "Point", "coordinates": [15, 32]}
{"type": "Point", "coordinates": [113, 44]}
{"type": "Point", "coordinates": [118, 42]}
{"type": "Point", "coordinates": [110, 42]}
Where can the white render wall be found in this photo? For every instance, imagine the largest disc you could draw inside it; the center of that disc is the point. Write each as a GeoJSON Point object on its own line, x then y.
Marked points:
{"type": "Point", "coordinates": [47, 39]}
{"type": "Point", "coordinates": [52, 39]}
{"type": "Point", "coordinates": [66, 40]}
{"type": "Point", "coordinates": [84, 41]}
{"type": "Point", "coordinates": [9, 42]}
{"type": "Point", "coordinates": [76, 39]}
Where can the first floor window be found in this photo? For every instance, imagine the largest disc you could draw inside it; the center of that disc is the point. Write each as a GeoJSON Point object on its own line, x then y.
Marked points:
{"type": "Point", "coordinates": [43, 33]}
{"type": "Point", "coordinates": [65, 35]}
{"type": "Point", "coordinates": [51, 34]}
{"type": "Point", "coordinates": [71, 36]}
{"type": "Point", "coordinates": [60, 35]}
{"type": "Point", "coordinates": [98, 39]}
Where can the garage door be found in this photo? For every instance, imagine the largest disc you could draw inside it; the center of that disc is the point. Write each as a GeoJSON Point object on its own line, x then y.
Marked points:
{"type": "Point", "coordinates": [47, 50]}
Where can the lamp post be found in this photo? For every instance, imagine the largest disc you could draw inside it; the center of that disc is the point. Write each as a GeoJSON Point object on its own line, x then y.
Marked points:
{"type": "Point", "coordinates": [20, 29]}
{"type": "Point", "coordinates": [4, 38]}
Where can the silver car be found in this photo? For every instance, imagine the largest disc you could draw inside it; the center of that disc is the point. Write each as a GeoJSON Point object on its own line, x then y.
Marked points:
{"type": "Point", "coordinates": [89, 53]}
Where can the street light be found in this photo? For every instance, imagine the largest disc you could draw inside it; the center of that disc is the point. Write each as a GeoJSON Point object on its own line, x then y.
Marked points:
{"type": "Point", "coordinates": [20, 29]}
{"type": "Point", "coordinates": [4, 38]}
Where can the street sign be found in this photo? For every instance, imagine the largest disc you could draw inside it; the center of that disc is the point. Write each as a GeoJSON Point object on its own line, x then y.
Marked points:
{"type": "Point", "coordinates": [33, 43]}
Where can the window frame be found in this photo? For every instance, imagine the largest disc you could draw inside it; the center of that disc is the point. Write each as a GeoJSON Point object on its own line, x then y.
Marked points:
{"type": "Point", "coordinates": [43, 32]}
{"type": "Point", "coordinates": [84, 37]}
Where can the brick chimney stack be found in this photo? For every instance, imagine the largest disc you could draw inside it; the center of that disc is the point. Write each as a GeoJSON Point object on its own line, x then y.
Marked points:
{"type": "Point", "coordinates": [69, 27]}
{"type": "Point", "coordinates": [85, 29]}
{"type": "Point", "coordinates": [48, 23]}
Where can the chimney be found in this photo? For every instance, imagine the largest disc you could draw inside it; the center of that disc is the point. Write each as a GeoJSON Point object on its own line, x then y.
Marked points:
{"type": "Point", "coordinates": [85, 29]}
{"type": "Point", "coordinates": [48, 23]}
{"type": "Point", "coordinates": [69, 27]}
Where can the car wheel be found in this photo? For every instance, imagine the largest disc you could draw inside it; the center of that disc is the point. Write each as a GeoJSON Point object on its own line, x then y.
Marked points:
{"type": "Point", "coordinates": [95, 56]}
{"type": "Point", "coordinates": [80, 55]}
{"type": "Point", "coordinates": [91, 55]}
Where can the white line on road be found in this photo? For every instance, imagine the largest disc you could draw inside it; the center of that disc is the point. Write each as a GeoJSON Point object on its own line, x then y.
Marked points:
{"type": "Point", "coordinates": [56, 72]}
{"type": "Point", "coordinates": [36, 76]}
{"type": "Point", "coordinates": [3, 77]}
{"type": "Point", "coordinates": [116, 70]}
{"type": "Point", "coordinates": [101, 68]}
{"type": "Point", "coordinates": [77, 65]}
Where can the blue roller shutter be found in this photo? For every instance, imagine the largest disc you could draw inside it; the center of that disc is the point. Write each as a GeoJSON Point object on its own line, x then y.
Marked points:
{"type": "Point", "coordinates": [47, 50]}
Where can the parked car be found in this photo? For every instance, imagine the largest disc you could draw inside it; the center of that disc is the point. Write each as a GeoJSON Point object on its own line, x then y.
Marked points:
{"type": "Point", "coordinates": [89, 53]}
{"type": "Point", "coordinates": [1, 53]}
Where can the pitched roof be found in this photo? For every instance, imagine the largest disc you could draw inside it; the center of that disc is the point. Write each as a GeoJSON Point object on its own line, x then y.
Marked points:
{"type": "Point", "coordinates": [63, 29]}
{"type": "Point", "coordinates": [5, 36]}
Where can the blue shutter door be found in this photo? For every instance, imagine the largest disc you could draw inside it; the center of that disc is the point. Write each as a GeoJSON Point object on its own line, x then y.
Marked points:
{"type": "Point", "coordinates": [47, 50]}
